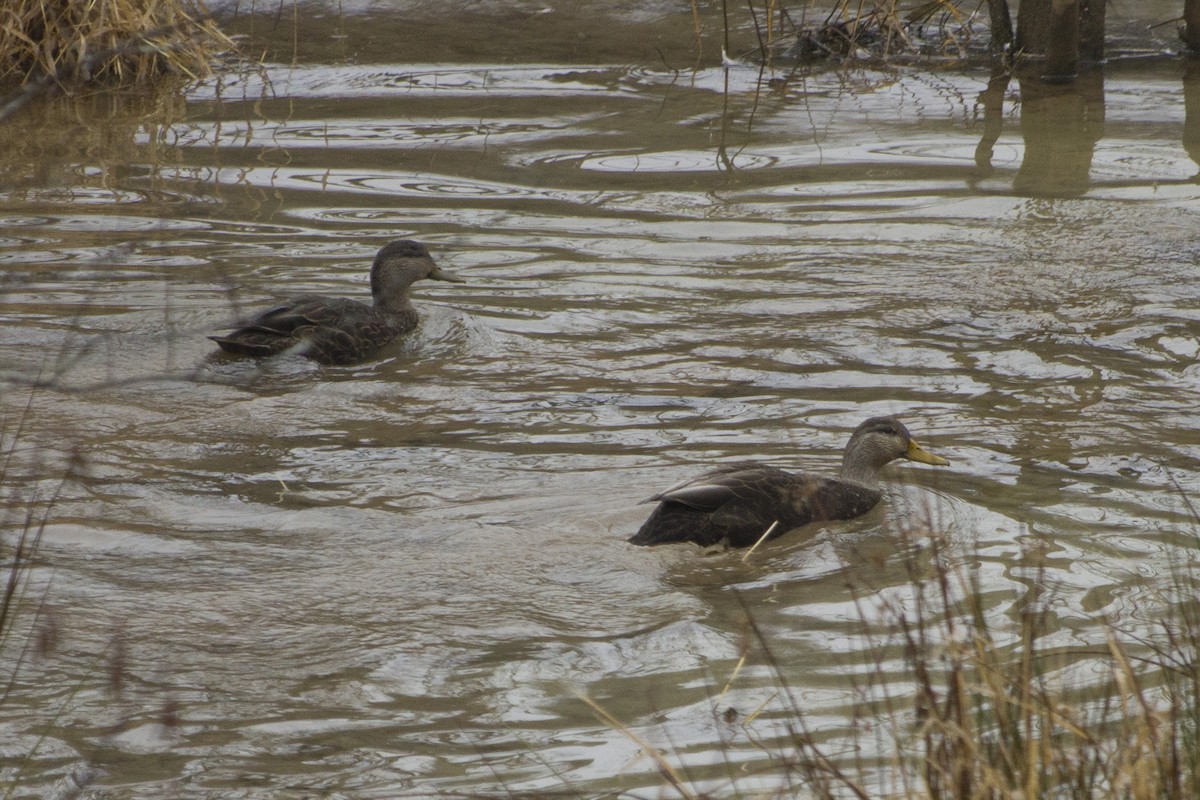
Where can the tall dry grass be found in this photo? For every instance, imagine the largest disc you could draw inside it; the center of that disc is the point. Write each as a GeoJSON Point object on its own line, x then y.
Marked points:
{"type": "Point", "coordinates": [28, 629]}
{"type": "Point", "coordinates": [980, 713]}
{"type": "Point", "coordinates": [888, 30]}
{"type": "Point", "coordinates": [36, 481]}
{"type": "Point", "coordinates": [114, 42]}
{"type": "Point", "coordinates": [998, 717]}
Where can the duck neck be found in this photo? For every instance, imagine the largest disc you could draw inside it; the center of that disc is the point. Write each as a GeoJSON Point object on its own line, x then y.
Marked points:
{"type": "Point", "coordinates": [389, 288]}
{"type": "Point", "coordinates": [397, 302]}
{"type": "Point", "coordinates": [861, 465]}
{"type": "Point", "coordinates": [860, 475]}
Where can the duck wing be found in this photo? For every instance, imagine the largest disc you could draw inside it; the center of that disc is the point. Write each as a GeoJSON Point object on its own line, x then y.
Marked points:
{"type": "Point", "coordinates": [331, 330]}
{"type": "Point", "coordinates": [740, 502]}
{"type": "Point", "coordinates": [283, 327]}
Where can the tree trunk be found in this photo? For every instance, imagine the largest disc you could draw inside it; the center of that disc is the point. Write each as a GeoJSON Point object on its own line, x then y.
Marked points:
{"type": "Point", "coordinates": [1191, 110]}
{"type": "Point", "coordinates": [1065, 32]}
{"type": "Point", "coordinates": [1001, 26]}
{"type": "Point", "coordinates": [1091, 29]}
{"type": "Point", "coordinates": [1033, 22]}
{"type": "Point", "coordinates": [1062, 46]}
{"type": "Point", "coordinates": [1191, 25]}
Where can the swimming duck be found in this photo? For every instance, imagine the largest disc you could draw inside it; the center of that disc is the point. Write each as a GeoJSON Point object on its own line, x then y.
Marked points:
{"type": "Point", "coordinates": [333, 330]}
{"type": "Point", "coordinates": [741, 502]}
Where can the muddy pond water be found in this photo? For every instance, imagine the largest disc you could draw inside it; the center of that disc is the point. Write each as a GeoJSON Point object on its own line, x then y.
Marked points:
{"type": "Point", "coordinates": [398, 579]}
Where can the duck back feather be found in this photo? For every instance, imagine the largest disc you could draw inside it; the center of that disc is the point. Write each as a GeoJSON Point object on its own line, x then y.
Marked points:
{"type": "Point", "coordinates": [738, 503]}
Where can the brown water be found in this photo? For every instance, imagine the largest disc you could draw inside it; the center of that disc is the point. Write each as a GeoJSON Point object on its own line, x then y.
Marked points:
{"type": "Point", "coordinates": [395, 579]}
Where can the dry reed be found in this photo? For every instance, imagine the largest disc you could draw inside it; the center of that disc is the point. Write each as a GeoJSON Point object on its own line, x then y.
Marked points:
{"type": "Point", "coordinates": [887, 30]}
{"type": "Point", "coordinates": [109, 42]}
{"type": "Point", "coordinates": [983, 714]}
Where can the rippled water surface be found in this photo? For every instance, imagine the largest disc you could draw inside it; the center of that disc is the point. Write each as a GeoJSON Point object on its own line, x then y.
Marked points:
{"type": "Point", "coordinates": [399, 578]}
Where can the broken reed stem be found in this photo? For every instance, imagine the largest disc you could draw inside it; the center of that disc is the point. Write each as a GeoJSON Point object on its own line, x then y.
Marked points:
{"type": "Point", "coordinates": [761, 539]}
{"type": "Point", "coordinates": [737, 669]}
{"type": "Point", "coordinates": [664, 768]}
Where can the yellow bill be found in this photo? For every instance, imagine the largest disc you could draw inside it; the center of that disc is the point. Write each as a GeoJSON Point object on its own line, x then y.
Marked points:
{"type": "Point", "coordinates": [918, 453]}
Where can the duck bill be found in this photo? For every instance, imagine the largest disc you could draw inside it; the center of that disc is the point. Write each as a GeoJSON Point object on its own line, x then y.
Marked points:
{"type": "Point", "coordinates": [918, 453]}
{"type": "Point", "coordinates": [440, 274]}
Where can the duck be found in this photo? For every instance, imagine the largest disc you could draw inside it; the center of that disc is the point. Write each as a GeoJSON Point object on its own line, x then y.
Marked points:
{"type": "Point", "coordinates": [742, 503]}
{"type": "Point", "coordinates": [335, 330]}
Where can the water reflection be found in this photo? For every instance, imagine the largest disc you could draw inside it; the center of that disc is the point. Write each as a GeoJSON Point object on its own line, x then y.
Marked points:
{"type": "Point", "coordinates": [392, 578]}
{"type": "Point", "coordinates": [1191, 104]}
{"type": "Point", "coordinates": [93, 142]}
{"type": "Point", "coordinates": [1060, 125]}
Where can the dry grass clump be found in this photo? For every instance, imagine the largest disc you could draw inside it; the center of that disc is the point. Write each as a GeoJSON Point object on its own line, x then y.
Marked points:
{"type": "Point", "coordinates": [105, 42]}
{"type": "Point", "coordinates": [958, 709]}
{"type": "Point", "coordinates": [868, 29]}
{"type": "Point", "coordinates": [882, 30]}
{"type": "Point", "coordinates": [992, 721]}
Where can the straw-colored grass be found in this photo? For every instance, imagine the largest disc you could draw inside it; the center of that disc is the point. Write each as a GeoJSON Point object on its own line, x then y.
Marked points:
{"type": "Point", "coordinates": [105, 42]}
{"type": "Point", "coordinates": [983, 714]}
{"type": "Point", "coordinates": [888, 30]}
{"type": "Point", "coordinates": [996, 722]}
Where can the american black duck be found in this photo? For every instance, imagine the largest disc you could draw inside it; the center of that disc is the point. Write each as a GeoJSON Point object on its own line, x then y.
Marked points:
{"type": "Point", "coordinates": [333, 330]}
{"type": "Point", "coordinates": [738, 503]}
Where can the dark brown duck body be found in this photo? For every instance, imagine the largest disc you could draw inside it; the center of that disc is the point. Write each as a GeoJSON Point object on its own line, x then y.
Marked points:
{"type": "Point", "coordinates": [331, 330]}
{"type": "Point", "coordinates": [334, 330]}
{"type": "Point", "coordinates": [739, 503]}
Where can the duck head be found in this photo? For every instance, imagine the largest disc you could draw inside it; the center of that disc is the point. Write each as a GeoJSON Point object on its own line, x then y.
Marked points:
{"type": "Point", "coordinates": [876, 442]}
{"type": "Point", "coordinates": [401, 263]}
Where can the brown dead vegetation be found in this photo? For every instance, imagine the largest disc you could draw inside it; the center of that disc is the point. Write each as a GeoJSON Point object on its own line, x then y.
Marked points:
{"type": "Point", "coordinates": [110, 43]}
